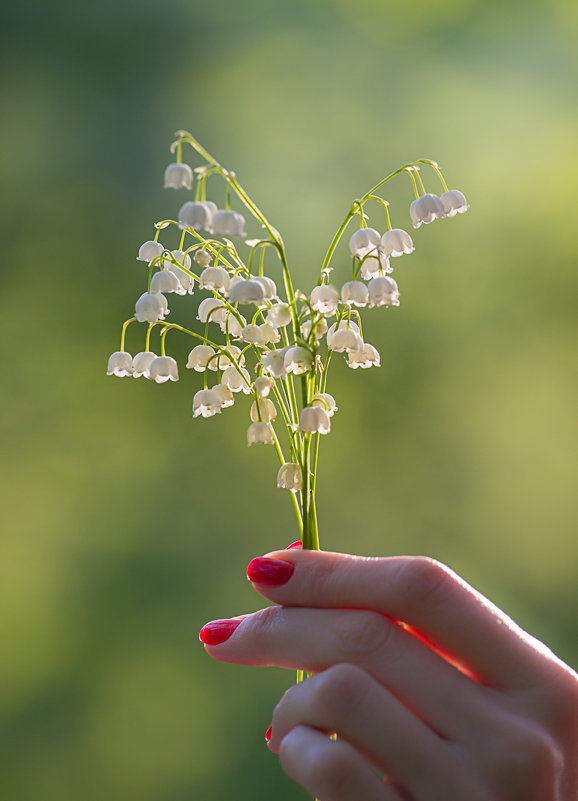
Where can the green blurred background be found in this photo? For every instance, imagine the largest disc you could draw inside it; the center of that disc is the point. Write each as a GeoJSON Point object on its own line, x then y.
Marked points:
{"type": "Point", "coordinates": [127, 524]}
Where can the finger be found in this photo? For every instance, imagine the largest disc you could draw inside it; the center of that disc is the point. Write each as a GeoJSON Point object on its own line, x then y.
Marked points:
{"type": "Point", "coordinates": [330, 770]}
{"type": "Point", "coordinates": [346, 700]}
{"type": "Point", "coordinates": [426, 595]}
{"type": "Point", "coordinates": [316, 639]}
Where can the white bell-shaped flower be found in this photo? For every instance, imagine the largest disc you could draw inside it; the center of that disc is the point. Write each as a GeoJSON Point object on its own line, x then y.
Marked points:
{"type": "Point", "coordinates": [197, 214]}
{"type": "Point", "coordinates": [203, 258]}
{"type": "Point", "coordinates": [178, 176]}
{"type": "Point", "coordinates": [167, 281]}
{"type": "Point", "coordinates": [320, 328]}
{"type": "Point", "coordinates": [269, 286]}
{"type": "Point", "coordinates": [271, 334]}
{"type": "Point", "coordinates": [233, 325]}
{"type": "Point", "coordinates": [215, 278]}
{"type": "Point", "coordinates": [354, 293]}
{"type": "Point", "coordinates": [200, 358]}
{"type": "Point", "coordinates": [344, 338]}
{"type": "Point", "coordinates": [396, 242]}
{"type": "Point", "coordinates": [206, 403]}
{"type": "Point", "coordinates": [149, 250]}
{"type": "Point", "coordinates": [279, 315]}
{"type": "Point", "coordinates": [211, 309]}
{"type": "Point", "coordinates": [183, 260]}
{"type": "Point", "coordinates": [374, 265]}
{"type": "Point", "coordinates": [226, 356]}
{"type": "Point", "coordinates": [454, 202]}
{"type": "Point", "coordinates": [260, 434]}
{"type": "Point", "coordinates": [263, 385]}
{"type": "Point", "coordinates": [273, 363]}
{"type": "Point", "coordinates": [324, 299]}
{"type": "Point", "coordinates": [383, 291]}
{"type": "Point", "coordinates": [265, 408]}
{"type": "Point", "coordinates": [426, 209]}
{"type": "Point", "coordinates": [253, 335]}
{"type": "Point", "coordinates": [226, 397]}
{"type": "Point", "coordinates": [120, 364]}
{"type": "Point", "coordinates": [314, 420]}
{"type": "Point", "coordinates": [364, 241]}
{"type": "Point", "coordinates": [290, 477]}
{"type": "Point", "coordinates": [151, 307]}
{"type": "Point", "coordinates": [244, 291]}
{"type": "Point", "coordinates": [238, 380]}
{"type": "Point", "coordinates": [163, 368]}
{"type": "Point", "coordinates": [298, 360]}
{"type": "Point", "coordinates": [325, 400]}
{"type": "Point", "coordinates": [228, 223]}
{"type": "Point", "coordinates": [141, 364]}
{"type": "Point", "coordinates": [366, 357]}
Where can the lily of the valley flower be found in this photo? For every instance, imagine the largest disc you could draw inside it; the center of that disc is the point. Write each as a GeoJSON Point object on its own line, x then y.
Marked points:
{"type": "Point", "coordinates": [119, 364]}
{"type": "Point", "coordinates": [263, 410]}
{"type": "Point", "coordinates": [232, 325]}
{"type": "Point", "coordinates": [183, 260]}
{"type": "Point", "coordinates": [344, 338]}
{"type": "Point", "coordinates": [368, 356]}
{"type": "Point", "coordinates": [364, 241]}
{"type": "Point", "coordinates": [314, 420]}
{"type": "Point", "coordinates": [273, 363]}
{"type": "Point", "coordinates": [253, 335]}
{"type": "Point", "coordinates": [354, 293]}
{"type": "Point", "coordinates": [426, 209]}
{"type": "Point", "coordinates": [238, 380]}
{"type": "Point", "coordinates": [228, 223]}
{"type": "Point", "coordinates": [206, 403]}
{"type": "Point", "coordinates": [163, 368]}
{"type": "Point", "coordinates": [244, 291]}
{"type": "Point", "coordinates": [224, 395]}
{"type": "Point", "coordinates": [141, 364]}
{"type": "Point", "coordinates": [279, 315]}
{"type": "Point", "coordinates": [383, 291]}
{"type": "Point", "coordinates": [167, 281]}
{"type": "Point", "coordinates": [178, 176]}
{"type": "Point", "coordinates": [263, 385]}
{"type": "Point", "coordinates": [290, 477]}
{"type": "Point", "coordinates": [320, 328]}
{"type": "Point", "coordinates": [324, 299]}
{"type": "Point", "coordinates": [215, 278]}
{"type": "Point", "coordinates": [260, 434]}
{"type": "Point", "coordinates": [201, 357]}
{"type": "Point", "coordinates": [151, 307]}
{"type": "Point", "coordinates": [225, 357]}
{"type": "Point", "coordinates": [197, 215]}
{"type": "Point", "coordinates": [269, 286]}
{"type": "Point", "coordinates": [298, 360]}
{"type": "Point", "coordinates": [211, 309]}
{"type": "Point", "coordinates": [325, 400]}
{"type": "Point", "coordinates": [396, 242]}
{"type": "Point", "coordinates": [149, 250]}
{"type": "Point", "coordinates": [454, 202]}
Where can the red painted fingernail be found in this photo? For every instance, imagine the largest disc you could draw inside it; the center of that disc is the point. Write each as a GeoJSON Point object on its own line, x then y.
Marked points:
{"type": "Point", "coordinates": [217, 631]}
{"type": "Point", "coordinates": [296, 544]}
{"type": "Point", "coordinates": [268, 733]}
{"type": "Point", "coordinates": [271, 572]}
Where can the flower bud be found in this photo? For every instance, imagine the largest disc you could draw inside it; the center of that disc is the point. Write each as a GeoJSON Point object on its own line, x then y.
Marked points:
{"type": "Point", "coordinates": [149, 251]}
{"type": "Point", "coordinates": [163, 368]}
{"type": "Point", "coordinates": [228, 223]}
{"type": "Point", "coordinates": [260, 434]}
{"type": "Point", "coordinates": [314, 420]}
{"type": "Point", "coordinates": [150, 308]}
{"type": "Point", "coordinates": [383, 291]}
{"type": "Point", "coordinates": [290, 477]}
{"type": "Point", "coordinates": [178, 176]}
{"type": "Point", "coordinates": [203, 258]}
{"type": "Point", "coordinates": [141, 364]}
{"type": "Point", "coordinates": [396, 242]}
{"type": "Point", "coordinates": [120, 364]}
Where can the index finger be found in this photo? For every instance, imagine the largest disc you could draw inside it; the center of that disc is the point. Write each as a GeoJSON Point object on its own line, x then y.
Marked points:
{"type": "Point", "coordinates": [436, 603]}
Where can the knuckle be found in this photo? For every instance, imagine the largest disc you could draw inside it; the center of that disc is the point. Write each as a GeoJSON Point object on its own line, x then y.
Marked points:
{"type": "Point", "coordinates": [339, 689]}
{"type": "Point", "coordinates": [361, 634]}
{"type": "Point", "coordinates": [424, 580]}
{"type": "Point", "coordinates": [524, 753]}
{"type": "Point", "coordinates": [262, 623]}
{"type": "Point", "coordinates": [330, 771]}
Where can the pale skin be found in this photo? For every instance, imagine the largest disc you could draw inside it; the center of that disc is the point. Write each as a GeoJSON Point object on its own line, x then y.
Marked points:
{"type": "Point", "coordinates": [433, 692]}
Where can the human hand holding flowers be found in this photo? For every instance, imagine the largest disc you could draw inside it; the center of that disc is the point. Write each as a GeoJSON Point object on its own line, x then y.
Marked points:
{"type": "Point", "coordinates": [424, 681]}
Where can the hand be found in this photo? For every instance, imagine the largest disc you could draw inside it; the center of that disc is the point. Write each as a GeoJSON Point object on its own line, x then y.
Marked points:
{"type": "Point", "coordinates": [433, 692]}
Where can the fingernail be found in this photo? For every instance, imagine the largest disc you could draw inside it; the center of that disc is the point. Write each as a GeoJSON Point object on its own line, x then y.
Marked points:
{"type": "Point", "coordinates": [296, 544]}
{"type": "Point", "coordinates": [268, 733]}
{"type": "Point", "coordinates": [217, 631]}
{"type": "Point", "coordinates": [271, 572]}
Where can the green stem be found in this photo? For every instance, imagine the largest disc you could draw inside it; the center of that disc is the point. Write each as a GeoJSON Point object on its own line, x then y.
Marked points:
{"type": "Point", "coordinates": [125, 325]}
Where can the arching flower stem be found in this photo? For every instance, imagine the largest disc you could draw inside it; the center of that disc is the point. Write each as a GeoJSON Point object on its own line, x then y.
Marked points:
{"type": "Point", "coordinates": [125, 325]}
{"type": "Point", "coordinates": [436, 168]}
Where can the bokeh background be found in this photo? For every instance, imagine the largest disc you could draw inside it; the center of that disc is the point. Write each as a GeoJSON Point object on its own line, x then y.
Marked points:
{"type": "Point", "coordinates": [126, 524]}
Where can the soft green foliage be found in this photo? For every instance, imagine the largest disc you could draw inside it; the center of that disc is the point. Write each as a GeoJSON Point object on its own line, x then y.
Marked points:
{"type": "Point", "coordinates": [127, 524]}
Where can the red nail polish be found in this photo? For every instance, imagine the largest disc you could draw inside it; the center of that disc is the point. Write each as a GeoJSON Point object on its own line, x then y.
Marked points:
{"type": "Point", "coordinates": [217, 631]}
{"type": "Point", "coordinates": [296, 544]}
{"type": "Point", "coordinates": [268, 733]}
{"type": "Point", "coordinates": [271, 572]}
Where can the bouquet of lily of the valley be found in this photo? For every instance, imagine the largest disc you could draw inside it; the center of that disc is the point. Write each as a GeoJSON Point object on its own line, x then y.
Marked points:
{"type": "Point", "coordinates": [271, 343]}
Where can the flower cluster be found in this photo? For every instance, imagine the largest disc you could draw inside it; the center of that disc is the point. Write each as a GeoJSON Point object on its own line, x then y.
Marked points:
{"type": "Point", "coordinates": [273, 344]}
